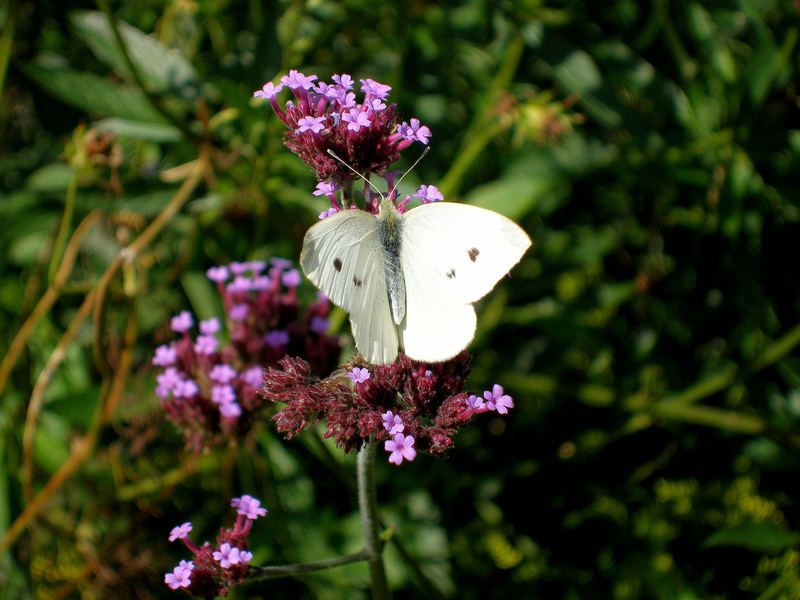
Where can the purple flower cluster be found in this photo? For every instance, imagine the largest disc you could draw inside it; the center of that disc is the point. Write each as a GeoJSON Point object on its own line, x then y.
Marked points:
{"type": "Point", "coordinates": [216, 567]}
{"type": "Point", "coordinates": [207, 388]}
{"type": "Point", "coordinates": [326, 116]}
{"type": "Point", "coordinates": [408, 403]}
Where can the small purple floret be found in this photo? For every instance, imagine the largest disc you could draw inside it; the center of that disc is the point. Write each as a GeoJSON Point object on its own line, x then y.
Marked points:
{"type": "Point", "coordinates": [182, 322]}
{"type": "Point", "coordinates": [165, 356]}
{"type": "Point", "coordinates": [180, 576]}
{"type": "Point", "coordinates": [392, 423]}
{"type": "Point", "coordinates": [358, 374]}
{"type": "Point", "coordinates": [218, 274]}
{"type": "Point", "coordinates": [269, 91]}
{"type": "Point", "coordinates": [180, 532]}
{"type": "Point", "coordinates": [277, 338]}
{"type": "Point", "coordinates": [248, 507]}
{"type": "Point", "coordinates": [401, 447]}
{"type": "Point", "coordinates": [497, 400]}
{"type": "Point", "coordinates": [429, 193]}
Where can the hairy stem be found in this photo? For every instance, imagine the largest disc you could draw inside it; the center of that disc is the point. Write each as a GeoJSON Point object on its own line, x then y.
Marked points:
{"type": "Point", "coordinates": [290, 570]}
{"type": "Point", "coordinates": [368, 506]}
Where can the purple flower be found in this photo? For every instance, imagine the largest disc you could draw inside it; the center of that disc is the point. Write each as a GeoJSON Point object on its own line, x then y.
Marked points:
{"type": "Point", "coordinates": [180, 532]}
{"type": "Point", "coordinates": [182, 322]}
{"type": "Point", "coordinates": [248, 507]}
{"type": "Point", "coordinates": [218, 274]}
{"type": "Point", "coordinates": [291, 279]}
{"type": "Point", "coordinates": [358, 375]}
{"type": "Point", "coordinates": [476, 403]}
{"type": "Point", "coordinates": [239, 284]}
{"type": "Point", "coordinates": [222, 394]}
{"type": "Point", "coordinates": [222, 373]}
{"type": "Point", "coordinates": [186, 388]}
{"type": "Point", "coordinates": [344, 80]}
{"type": "Point", "coordinates": [165, 356]}
{"type": "Point", "coordinates": [297, 80]}
{"type": "Point", "coordinates": [256, 266]}
{"type": "Point", "coordinates": [327, 213]}
{"type": "Point", "coordinates": [496, 400]}
{"type": "Point", "coordinates": [319, 325]}
{"type": "Point", "coordinates": [281, 263]}
{"type": "Point", "coordinates": [206, 344]}
{"type": "Point", "coordinates": [245, 557]}
{"type": "Point", "coordinates": [329, 91]}
{"type": "Point", "coordinates": [262, 282]}
{"type": "Point", "coordinates": [239, 268]}
{"type": "Point", "coordinates": [166, 381]}
{"type": "Point", "coordinates": [253, 376]}
{"type": "Point", "coordinates": [268, 91]}
{"type": "Point", "coordinates": [226, 556]}
{"type": "Point", "coordinates": [401, 447]}
{"type": "Point", "coordinates": [392, 423]}
{"type": "Point", "coordinates": [230, 410]}
{"type": "Point", "coordinates": [210, 326]}
{"type": "Point", "coordinates": [414, 131]}
{"type": "Point", "coordinates": [238, 312]}
{"type": "Point", "coordinates": [429, 193]}
{"type": "Point", "coordinates": [313, 124]}
{"type": "Point", "coordinates": [376, 104]}
{"type": "Point", "coordinates": [374, 89]}
{"type": "Point", "coordinates": [325, 188]}
{"type": "Point", "coordinates": [364, 134]}
{"type": "Point", "coordinates": [355, 119]}
{"type": "Point", "coordinates": [277, 338]}
{"type": "Point", "coordinates": [180, 576]}
{"type": "Point", "coordinates": [346, 100]}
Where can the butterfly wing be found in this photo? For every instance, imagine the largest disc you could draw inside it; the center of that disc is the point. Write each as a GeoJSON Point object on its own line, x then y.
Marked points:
{"type": "Point", "coordinates": [343, 257]}
{"type": "Point", "coordinates": [451, 255]}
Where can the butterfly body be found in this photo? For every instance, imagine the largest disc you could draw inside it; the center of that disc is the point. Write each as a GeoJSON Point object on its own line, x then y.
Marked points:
{"type": "Point", "coordinates": [390, 232]}
{"type": "Point", "coordinates": [409, 280]}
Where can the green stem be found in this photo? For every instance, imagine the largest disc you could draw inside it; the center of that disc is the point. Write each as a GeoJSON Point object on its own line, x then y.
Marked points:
{"type": "Point", "coordinates": [485, 125]}
{"type": "Point", "coordinates": [64, 227]}
{"type": "Point", "coordinates": [5, 42]}
{"type": "Point", "coordinates": [368, 506]}
{"type": "Point", "coordinates": [256, 573]}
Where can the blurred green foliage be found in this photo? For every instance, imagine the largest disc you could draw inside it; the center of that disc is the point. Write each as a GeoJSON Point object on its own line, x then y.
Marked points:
{"type": "Point", "coordinates": [649, 338]}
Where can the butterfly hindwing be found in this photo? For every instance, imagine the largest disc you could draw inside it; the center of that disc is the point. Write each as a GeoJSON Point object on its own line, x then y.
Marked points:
{"type": "Point", "coordinates": [343, 257]}
{"type": "Point", "coordinates": [451, 255]}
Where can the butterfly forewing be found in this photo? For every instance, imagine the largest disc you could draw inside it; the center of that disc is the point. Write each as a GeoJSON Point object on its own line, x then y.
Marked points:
{"type": "Point", "coordinates": [451, 255]}
{"type": "Point", "coordinates": [343, 257]}
{"type": "Point", "coordinates": [466, 249]}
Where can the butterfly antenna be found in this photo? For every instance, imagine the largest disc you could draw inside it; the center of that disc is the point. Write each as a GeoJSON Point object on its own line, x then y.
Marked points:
{"type": "Point", "coordinates": [374, 187]}
{"type": "Point", "coordinates": [421, 156]}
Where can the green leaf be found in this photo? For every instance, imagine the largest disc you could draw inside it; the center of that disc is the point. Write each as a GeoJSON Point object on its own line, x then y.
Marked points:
{"type": "Point", "coordinates": [202, 295]}
{"type": "Point", "coordinates": [152, 132]}
{"type": "Point", "coordinates": [148, 204]}
{"type": "Point", "coordinates": [758, 537]}
{"type": "Point", "coordinates": [160, 67]}
{"type": "Point", "coordinates": [766, 64]}
{"type": "Point", "coordinates": [517, 196]}
{"type": "Point", "coordinates": [51, 442]}
{"type": "Point", "coordinates": [90, 92]}
{"type": "Point", "coordinates": [578, 74]}
{"type": "Point", "coordinates": [54, 177]}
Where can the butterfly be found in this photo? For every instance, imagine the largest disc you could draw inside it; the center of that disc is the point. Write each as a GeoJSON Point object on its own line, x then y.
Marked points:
{"type": "Point", "coordinates": [409, 280]}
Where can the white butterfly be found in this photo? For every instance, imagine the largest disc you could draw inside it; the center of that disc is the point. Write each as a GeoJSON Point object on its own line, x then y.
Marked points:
{"type": "Point", "coordinates": [409, 280]}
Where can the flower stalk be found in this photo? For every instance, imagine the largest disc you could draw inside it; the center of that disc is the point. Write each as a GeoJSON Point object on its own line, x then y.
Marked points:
{"type": "Point", "coordinates": [368, 507]}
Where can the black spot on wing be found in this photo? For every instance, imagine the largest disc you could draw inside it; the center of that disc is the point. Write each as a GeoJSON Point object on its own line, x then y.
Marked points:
{"type": "Point", "coordinates": [357, 282]}
{"type": "Point", "coordinates": [337, 264]}
{"type": "Point", "coordinates": [473, 254]}
{"type": "Point", "coordinates": [451, 274]}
